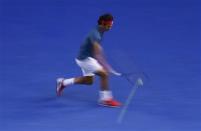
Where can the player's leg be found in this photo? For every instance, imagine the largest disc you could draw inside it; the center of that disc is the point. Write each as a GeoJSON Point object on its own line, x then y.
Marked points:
{"type": "Point", "coordinates": [87, 67]}
{"type": "Point", "coordinates": [106, 97]}
{"type": "Point", "coordinates": [90, 67]}
{"type": "Point", "coordinates": [87, 80]}
{"type": "Point", "coordinates": [103, 79]}
{"type": "Point", "coordinates": [62, 83]}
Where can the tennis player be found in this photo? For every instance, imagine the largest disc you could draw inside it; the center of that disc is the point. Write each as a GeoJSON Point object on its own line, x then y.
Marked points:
{"type": "Point", "coordinates": [92, 62]}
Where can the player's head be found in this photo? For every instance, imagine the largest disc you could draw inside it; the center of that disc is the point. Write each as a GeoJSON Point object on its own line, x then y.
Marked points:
{"type": "Point", "coordinates": [106, 21]}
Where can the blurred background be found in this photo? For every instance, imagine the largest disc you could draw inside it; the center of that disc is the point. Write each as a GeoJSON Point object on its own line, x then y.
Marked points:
{"type": "Point", "coordinates": [39, 40]}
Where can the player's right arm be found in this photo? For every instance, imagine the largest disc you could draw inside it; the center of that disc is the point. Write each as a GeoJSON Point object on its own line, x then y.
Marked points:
{"type": "Point", "coordinates": [99, 56]}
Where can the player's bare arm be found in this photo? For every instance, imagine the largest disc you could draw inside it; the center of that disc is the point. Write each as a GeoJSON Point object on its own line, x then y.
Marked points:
{"type": "Point", "coordinates": [100, 57]}
{"type": "Point", "coordinates": [98, 53]}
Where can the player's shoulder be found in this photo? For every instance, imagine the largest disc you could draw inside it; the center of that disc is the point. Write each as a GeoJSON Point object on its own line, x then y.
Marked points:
{"type": "Point", "coordinates": [95, 33]}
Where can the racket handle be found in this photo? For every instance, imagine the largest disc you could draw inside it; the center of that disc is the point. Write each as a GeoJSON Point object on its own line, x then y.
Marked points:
{"type": "Point", "coordinates": [115, 73]}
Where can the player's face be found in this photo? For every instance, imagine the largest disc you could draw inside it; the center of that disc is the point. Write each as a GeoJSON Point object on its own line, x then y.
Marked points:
{"type": "Point", "coordinates": [107, 25]}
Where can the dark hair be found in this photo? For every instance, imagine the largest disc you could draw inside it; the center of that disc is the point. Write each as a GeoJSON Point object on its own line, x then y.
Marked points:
{"type": "Point", "coordinates": [105, 17]}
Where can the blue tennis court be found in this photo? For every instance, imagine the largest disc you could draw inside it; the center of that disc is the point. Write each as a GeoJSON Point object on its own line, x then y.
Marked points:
{"type": "Point", "coordinates": [39, 40]}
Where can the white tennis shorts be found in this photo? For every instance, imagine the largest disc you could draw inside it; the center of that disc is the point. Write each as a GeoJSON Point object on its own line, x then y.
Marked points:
{"type": "Point", "coordinates": [89, 66]}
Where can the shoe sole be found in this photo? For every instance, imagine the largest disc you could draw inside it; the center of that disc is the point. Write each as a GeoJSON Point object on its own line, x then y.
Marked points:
{"type": "Point", "coordinates": [108, 105]}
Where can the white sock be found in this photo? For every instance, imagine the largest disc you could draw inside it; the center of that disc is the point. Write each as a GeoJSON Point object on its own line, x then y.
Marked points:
{"type": "Point", "coordinates": [105, 95]}
{"type": "Point", "coordinates": [67, 82]}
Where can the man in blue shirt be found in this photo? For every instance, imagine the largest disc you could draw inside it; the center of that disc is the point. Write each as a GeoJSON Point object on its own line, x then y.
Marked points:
{"type": "Point", "coordinates": [92, 62]}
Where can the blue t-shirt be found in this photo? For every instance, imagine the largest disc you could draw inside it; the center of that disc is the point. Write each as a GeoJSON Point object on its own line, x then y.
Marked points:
{"type": "Point", "coordinates": [86, 49]}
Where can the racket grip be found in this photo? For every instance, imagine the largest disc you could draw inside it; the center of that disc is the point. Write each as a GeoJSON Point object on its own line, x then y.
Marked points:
{"type": "Point", "coordinates": [115, 73]}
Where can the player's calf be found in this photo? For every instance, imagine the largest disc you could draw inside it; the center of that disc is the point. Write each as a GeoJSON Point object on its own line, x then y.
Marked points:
{"type": "Point", "coordinates": [87, 80]}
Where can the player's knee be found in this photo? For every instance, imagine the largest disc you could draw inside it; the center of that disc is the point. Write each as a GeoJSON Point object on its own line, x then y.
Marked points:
{"type": "Point", "coordinates": [103, 74]}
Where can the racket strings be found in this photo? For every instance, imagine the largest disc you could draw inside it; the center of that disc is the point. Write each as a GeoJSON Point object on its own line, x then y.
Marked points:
{"type": "Point", "coordinates": [134, 76]}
